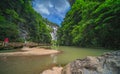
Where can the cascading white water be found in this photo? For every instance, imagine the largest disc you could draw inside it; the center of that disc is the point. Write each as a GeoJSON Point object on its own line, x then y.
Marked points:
{"type": "Point", "coordinates": [54, 37]}
{"type": "Point", "coordinates": [54, 32]}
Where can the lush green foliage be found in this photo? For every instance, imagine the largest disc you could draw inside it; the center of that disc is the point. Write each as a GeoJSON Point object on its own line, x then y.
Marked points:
{"type": "Point", "coordinates": [92, 23]}
{"type": "Point", "coordinates": [17, 17]}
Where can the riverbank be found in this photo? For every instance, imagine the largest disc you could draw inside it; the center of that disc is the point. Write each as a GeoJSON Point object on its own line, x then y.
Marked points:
{"type": "Point", "coordinates": [26, 51]}
{"type": "Point", "coordinates": [15, 45]}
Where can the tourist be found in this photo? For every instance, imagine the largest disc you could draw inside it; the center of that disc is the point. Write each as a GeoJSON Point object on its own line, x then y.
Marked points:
{"type": "Point", "coordinates": [6, 40]}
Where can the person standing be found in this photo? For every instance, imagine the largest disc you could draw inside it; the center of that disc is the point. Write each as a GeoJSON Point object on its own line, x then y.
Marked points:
{"type": "Point", "coordinates": [6, 40]}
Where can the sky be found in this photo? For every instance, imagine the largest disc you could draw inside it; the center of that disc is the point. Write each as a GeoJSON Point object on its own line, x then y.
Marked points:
{"type": "Point", "coordinates": [53, 10]}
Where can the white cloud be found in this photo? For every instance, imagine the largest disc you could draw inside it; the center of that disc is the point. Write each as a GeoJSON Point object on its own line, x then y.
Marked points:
{"type": "Point", "coordinates": [62, 7]}
{"type": "Point", "coordinates": [42, 9]}
{"type": "Point", "coordinates": [50, 5]}
{"type": "Point", "coordinates": [54, 10]}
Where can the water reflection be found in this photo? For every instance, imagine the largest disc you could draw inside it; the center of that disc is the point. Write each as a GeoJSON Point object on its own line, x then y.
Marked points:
{"type": "Point", "coordinates": [24, 64]}
{"type": "Point", "coordinates": [4, 58]}
{"type": "Point", "coordinates": [54, 58]}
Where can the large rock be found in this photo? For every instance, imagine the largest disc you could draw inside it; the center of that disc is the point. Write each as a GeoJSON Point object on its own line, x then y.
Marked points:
{"type": "Point", "coordinates": [108, 63]}
{"type": "Point", "coordinates": [54, 70]}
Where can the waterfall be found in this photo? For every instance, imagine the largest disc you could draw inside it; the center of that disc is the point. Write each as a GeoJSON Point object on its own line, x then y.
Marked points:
{"type": "Point", "coordinates": [54, 32]}
{"type": "Point", "coordinates": [54, 36]}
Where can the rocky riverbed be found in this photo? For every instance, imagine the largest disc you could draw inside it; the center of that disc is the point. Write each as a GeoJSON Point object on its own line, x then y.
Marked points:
{"type": "Point", "coordinates": [108, 63]}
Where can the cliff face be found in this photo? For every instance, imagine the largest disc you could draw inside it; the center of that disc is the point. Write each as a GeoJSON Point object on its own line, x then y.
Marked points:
{"type": "Point", "coordinates": [108, 63]}
{"type": "Point", "coordinates": [71, 2]}
{"type": "Point", "coordinates": [53, 29]}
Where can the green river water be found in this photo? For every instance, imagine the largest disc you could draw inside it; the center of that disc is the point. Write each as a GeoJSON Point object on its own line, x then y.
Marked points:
{"type": "Point", "coordinates": [36, 64]}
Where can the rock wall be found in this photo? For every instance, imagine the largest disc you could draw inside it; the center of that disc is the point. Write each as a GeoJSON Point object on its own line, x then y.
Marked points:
{"type": "Point", "coordinates": [71, 2]}
{"type": "Point", "coordinates": [108, 63]}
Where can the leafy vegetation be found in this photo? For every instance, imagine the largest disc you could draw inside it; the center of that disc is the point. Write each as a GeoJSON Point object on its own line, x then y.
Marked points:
{"type": "Point", "coordinates": [92, 23]}
{"type": "Point", "coordinates": [18, 20]}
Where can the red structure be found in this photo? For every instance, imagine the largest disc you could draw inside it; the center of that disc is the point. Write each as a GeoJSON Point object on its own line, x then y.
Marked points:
{"type": "Point", "coordinates": [6, 40]}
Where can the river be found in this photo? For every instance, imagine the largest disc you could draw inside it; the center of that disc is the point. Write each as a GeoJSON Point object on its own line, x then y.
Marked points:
{"type": "Point", "coordinates": [36, 64]}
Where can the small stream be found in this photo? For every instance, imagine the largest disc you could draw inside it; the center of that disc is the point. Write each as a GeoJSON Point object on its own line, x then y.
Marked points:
{"type": "Point", "coordinates": [36, 64]}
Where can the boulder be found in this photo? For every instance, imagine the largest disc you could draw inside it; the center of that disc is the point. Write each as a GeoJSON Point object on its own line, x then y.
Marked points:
{"type": "Point", "coordinates": [108, 63]}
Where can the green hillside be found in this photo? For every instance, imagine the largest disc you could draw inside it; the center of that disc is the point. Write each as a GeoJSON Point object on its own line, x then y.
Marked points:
{"type": "Point", "coordinates": [92, 23]}
{"type": "Point", "coordinates": [19, 21]}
